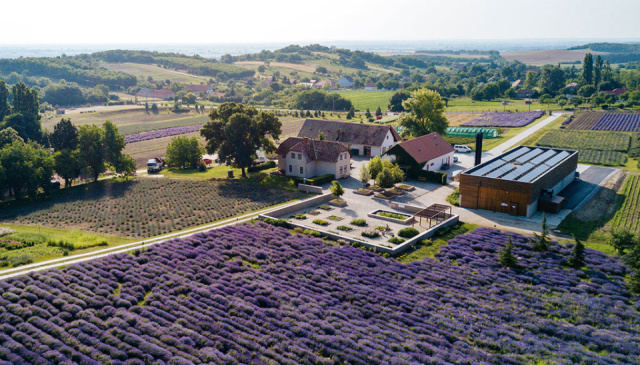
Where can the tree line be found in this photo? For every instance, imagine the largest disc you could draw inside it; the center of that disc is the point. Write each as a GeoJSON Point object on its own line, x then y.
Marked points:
{"type": "Point", "coordinates": [29, 155]}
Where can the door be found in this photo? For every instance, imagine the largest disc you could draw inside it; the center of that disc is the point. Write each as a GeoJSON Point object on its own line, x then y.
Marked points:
{"type": "Point", "coordinates": [367, 151]}
{"type": "Point", "coordinates": [514, 208]}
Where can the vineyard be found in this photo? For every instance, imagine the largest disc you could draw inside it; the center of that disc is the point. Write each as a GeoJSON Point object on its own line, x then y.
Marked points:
{"type": "Point", "coordinates": [628, 216]}
{"type": "Point", "coordinates": [598, 148]}
{"type": "Point", "coordinates": [144, 207]}
{"type": "Point", "coordinates": [619, 122]}
{"type": "Point", "coordinates": [145, 136]}
{"type": "Point", "coordinates": [504, 119]}
{"type": "Point", "coordinates": [579, 140]}
{"type": "Point", "coordinates": [260, 295]}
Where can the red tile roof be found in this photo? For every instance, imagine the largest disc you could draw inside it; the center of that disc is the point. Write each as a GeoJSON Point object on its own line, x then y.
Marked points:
{"type": "Point", "coordinates": [426, 148]}
{"type": "Point", "coordinates": [196, 88]}
{"type": "Point", "coordinates": [314, 149]}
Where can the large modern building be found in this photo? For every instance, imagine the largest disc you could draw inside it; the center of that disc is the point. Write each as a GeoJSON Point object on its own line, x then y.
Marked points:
{"type": "Point", "coordinates": [360, 139]}
{"type": "Point", "coordinates": [516, 181]}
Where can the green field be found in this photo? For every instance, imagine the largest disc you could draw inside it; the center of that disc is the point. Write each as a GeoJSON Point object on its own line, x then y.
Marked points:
{"type": "Point", "coordinates": [157, 73]}
{"type": "Point", "coordinates": [628, 216]}
{"type": "Point", "coordinates": [465, 104]}
{"type": "Point", "coordinates": [596, 147]}
{"type": "Point", "coordinates": [40, 236]}
{"type": "Point", "coordinates": [368, 99]}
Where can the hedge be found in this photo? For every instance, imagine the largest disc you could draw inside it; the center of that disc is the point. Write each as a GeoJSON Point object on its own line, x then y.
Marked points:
{"type": "Point", "coordinates": [437, 177]}
{"type": "Point", "coordinates": [262, 166]}
{"type": "Point", "coordinates": [319, 180]}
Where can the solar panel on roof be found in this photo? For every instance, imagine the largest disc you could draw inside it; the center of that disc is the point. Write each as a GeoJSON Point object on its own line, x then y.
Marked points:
{"type": "Point", "coordinates": [557, 158]}
{"type": "Point", "coordinates": [529, 156]}
{"type": "Point", "coordinates": [543, 157]}
{"type": "Point", "coordinates": [517, 153]}
{"type": "Point", "coordinates": [488, 168]}
{"type": "Point", "coordinates": [501, 170]}
{"type": "Point", "coordinates": [519, 171]}
{"type": "Point", "coordinates": [529, 177]}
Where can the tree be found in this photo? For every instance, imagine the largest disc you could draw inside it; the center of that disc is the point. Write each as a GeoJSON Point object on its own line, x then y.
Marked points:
{"type": "Point", "coordinates": [28, 128]}
{"type": "Point", "coordinates": [90, 147]}
{"type": "Point", "coordinates": [426, 113]}
{"type": "Point", "coordinates": [575, 101]}
{"type": "Point", "coordinates": [395, 103]}
{"type": "Point", "coordinates": [507, 259]}
{"type": "Point", "coordinates": [26, 166]}
{"type": "Point", "coordinates": [378, 112]}
{"type": "Point", "coordinates": [68, 165]}
{"type": "Point", "coordinates": [587, 69]}
{"type": "Point", "coordinates": [365, 176]}
{"type": "Point", "coordinates": [542, 242]}
{"type": "Point", "coordinates": [577, 258]}
{"type": "Point", "coordinates": [389, 175]}
{"type": "Point", "coordinates": [184, 152]}
{"type": "Point", "coordinates": [25, 101]}
{"type": "Point", "coordinates": [126, 165]}
{"type": "Point", "coordinates": [321, 136]}
{"type": "Point", "coordinates": [65, 135]}
{"type": "Point", "coordinates": [552, 78]}
{"type": "Point", "coordinates": [597, 72]}
{"type": "Point", "coordinates": [113, 143]}
{"type": "Point", "coordinates": [531, 80]}
{"type": "Point", "coordinates": [336, 189]}
{"type": "Point", "coordinates": [367, 114]}
{"type": "Point", "coordinates": [7, 136]}
{"type": "Point", "coordinates": [621, 239]}
{"type": "Point", "coordinates": [5, 109]}
{"type": "Point", "coordinates": [375, 166]}
{"type": "Point", "coordinates": [237, 131]}
{"type": "Point", "coordinates": [321, 70]}
{"type": "Point", "coordinates": [587, 91]}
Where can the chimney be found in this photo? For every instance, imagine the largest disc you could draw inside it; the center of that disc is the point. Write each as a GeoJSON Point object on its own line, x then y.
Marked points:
{"type": "Point", "coordinates": [478, 148]}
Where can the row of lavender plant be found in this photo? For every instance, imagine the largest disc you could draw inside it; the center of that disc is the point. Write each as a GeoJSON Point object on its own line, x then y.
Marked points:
{"type": "Point", "coordinates": [504, 119]}
{"type": "Point", "coordinates": [260, 295]}
{"type": "Point", "coordinates": [621, 122]}
{"type": "Point", "coordinates": [144, 136]}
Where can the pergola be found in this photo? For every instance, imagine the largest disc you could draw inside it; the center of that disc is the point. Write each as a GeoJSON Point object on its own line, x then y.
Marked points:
{"type": "Point", "coordinates": [435, 212]}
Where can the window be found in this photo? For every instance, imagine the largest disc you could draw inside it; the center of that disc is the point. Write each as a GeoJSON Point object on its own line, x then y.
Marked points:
{"type": "Point", "coordinates": [299, 156]}
{"type": "Point", "coordinates": [301, 170]}
{"type": "Point", "coordinates": [293, 155]}
{"type": "Point", "coordinates": [341, 157]}
{"type": "Point", "coordinates": [340, 169]}
{"type": "Point", "coordinates": [290, 168]}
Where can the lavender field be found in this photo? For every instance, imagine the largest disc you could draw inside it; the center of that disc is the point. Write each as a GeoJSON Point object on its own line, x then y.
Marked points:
{"type": "Point", "coordinates": [259, 295]}
{"type": "Point", "coordinates": [145, 136]}
{"type": "Point", "coordinates": [504, 119]}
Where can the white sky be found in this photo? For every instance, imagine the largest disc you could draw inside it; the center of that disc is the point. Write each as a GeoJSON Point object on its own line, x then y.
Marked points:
{"type": "Point", "coordinates": [252, 21]}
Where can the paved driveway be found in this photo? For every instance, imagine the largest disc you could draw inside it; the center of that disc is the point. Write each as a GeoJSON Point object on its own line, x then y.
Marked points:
{"type": "Point", "coordinates": [591, 178]}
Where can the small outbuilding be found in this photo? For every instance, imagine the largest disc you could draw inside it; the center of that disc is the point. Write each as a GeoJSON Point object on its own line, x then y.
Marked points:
{"type": "Point", "coordinates": [516, 181]}
{"type": "Point", "coordinates": [429, 152]}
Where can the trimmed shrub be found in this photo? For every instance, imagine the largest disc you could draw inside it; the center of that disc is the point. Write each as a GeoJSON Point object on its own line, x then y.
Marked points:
{"type": "Point", "coordinates": [359, 222]}
{"type": "Point", "coordinates": [321, 222]}
{"type": "Point", "coordinates": [437, 177]}
{"type": "Point", "coordinates": [395, 240]}
{"type": "Point", "coordinates": [312, 232]}
{"type": "Point", "coordinates": [408, 232]}
{"type": "Point", "coordinates": [344, 228]}
{"type": "Point", "coordinates": [262, 166]}
{"type": "Point", "coordinates": [371, 233]}
{"type": "Point", "coordinates": [276, 222]}
{"type": "Point", "coordinates": [322, 179]}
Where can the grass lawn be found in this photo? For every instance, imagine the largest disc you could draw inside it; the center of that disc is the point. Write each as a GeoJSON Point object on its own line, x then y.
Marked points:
{"type": "Point", "coordinates": [220, 172]}
{"type": "Point", "coordinates": [467, 105]}
{"type": "Point", "coordinates": [589, 232]}
{"type": "Point", "coordinates": [368, 99]}
{"type": "Point", "coordinates": [428, 248]}
{"type": "Point", "coordinates": [83, 242]}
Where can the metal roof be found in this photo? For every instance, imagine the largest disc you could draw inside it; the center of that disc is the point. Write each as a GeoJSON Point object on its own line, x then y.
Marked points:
{"type": "Point", "coordinates": [522, 164]}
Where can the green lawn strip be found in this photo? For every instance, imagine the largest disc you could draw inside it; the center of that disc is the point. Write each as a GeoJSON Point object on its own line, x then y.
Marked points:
{"type": "Point", "coordinates": [589, 232]}
{"type": "Point", "coordinates": [428, 248]}
{"type": "Point", "coordinates": [362, 99]}
{"type": "Point", "coordinates": [42, 252]}
{"type": "Point", "coordinates": [221, 172]}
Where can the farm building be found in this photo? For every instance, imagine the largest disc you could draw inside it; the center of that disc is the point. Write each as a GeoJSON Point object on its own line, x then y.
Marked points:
{"type": "Point", "coordinates": [202, 88]}
{"type": "Point", "coordinates": [346, 81]}
{"type": "Point", "coordinates": [428, 152]}
{"type": "Point", "coordinates": [516, 181]}
{"type": "Point", "coordinates": [360, 139]}
{"type": "Point", "coordinates": [305, 157]}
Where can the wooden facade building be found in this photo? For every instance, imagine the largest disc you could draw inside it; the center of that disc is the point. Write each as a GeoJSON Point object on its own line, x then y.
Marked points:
{"type": "Point", "coordinates": [514, 182]}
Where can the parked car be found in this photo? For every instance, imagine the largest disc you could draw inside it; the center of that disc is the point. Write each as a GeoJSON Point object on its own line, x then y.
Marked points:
{"type": "Point", "coordinates": [455, 159]}
{"type": "Point", "coordinates": [462, 148]}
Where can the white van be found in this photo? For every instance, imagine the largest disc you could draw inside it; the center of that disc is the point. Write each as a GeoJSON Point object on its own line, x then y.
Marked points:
{"type": "Point", "coordinates": [461, 148]}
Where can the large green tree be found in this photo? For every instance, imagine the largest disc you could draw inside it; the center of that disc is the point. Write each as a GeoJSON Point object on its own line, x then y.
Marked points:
{"type": "Point", "coordinates": [65, 135]}
{"type": "Point", "coordinates": [597, 71]}
{"type": "Point", "coordinates": [28, 128]}
{"type": "Point", "coordinates": [395, 103]}
{"type": "Point", "coordinates": [237, 131]}
{"type": "Point", "coordinates": [426, 113]}
{"type": "Point", "coordinates": [113, 143]}
{"type": "Point", "coordinates": [8, 135]}
{"type": "Point", "coordinates": [183, 152]}
{"type": "Point", "coordinates": [552, 78]}
{"type": "Point", "coordinates": [5, 108]}
{"type": "Point", "coordinates": [27, 166]}
{"type": "Point", "coordinates": [68, 165]}
{"type": "Point", "coordinates": [587, 69]}
{"type": "Point", "coordinates": [91, 149]}
{"type": "Point", "coordinates": [25, 100]}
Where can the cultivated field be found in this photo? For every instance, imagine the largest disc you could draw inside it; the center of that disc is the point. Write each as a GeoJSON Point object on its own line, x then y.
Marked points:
{"type": "Point", "coordinates": [157, 73]}
{"type": "Point", "coordinates": [466, 105]}
{"type": "Point", "coordinates": [619, 122]}
{"type": "Point", "coordinates": [584, 121]}
{"type": "Point", "coordinates": [628, 216]}
{"type": "Point", "coordinates": [588, 140]}
{"type": "Point", "coordinates": [143, 207]}
{"type": "Point", "coordinates": [145, 150]}
{"type": "Point", "coordinates": [504, 119]}
{"type": "Point", "coordinates": [259, 294]}
{"type": "Point", "coordinates": [456, 119]}
{"type": "Point", "coordinates": [368, 99]}
{"type": "Point", "coordinates": [547, 57]}
{"type": "Point", "coordinates": [131, 121]}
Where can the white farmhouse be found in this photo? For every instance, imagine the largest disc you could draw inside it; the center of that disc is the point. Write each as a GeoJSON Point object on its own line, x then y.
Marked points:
{"type": "Point", "coordinates": [360, 139]}
{"type": "Point", "coordinates": [346, 81]}
{"type": "Point", "coordinates": [305, 157]}
{"type": "Point", "coordinates": [428, 152]}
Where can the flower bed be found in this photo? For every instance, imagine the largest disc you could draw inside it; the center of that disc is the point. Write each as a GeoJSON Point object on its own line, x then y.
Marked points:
{"type": "Point", "coordinates": [363, 192]}
{"type": "Point", "coordinates": [391, 216]}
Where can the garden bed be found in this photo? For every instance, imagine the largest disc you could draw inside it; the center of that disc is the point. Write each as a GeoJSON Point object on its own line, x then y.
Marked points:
{"type": "Point", "coordinates": [405, 187]}
{"type": "Point", "coordinates": [391, 216]}
{"type": "Point", "coordinates": [338, 202]}
{"type": "Point", "coordinates": [363, 192]}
